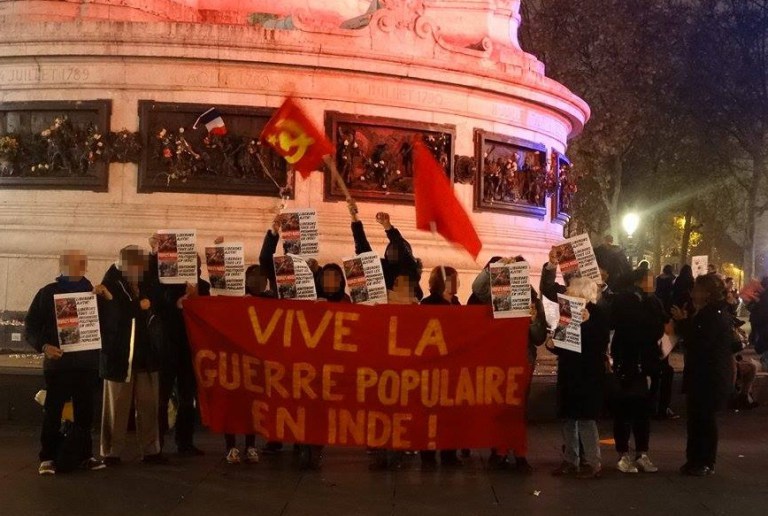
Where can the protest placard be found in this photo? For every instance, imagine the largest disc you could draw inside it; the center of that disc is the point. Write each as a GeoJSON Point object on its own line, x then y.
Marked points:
{"type": "Point", "coordinates": [700, 265]}
{"type": "Point", "coordinates": [510, 290]}
{"type": "Point", "coordinates": [298, 229]}
{"type": "Point", "coordinates": [576, 258]}
{"type": "Point", "coordinates": [176, 256]}
{"type": "Point", "coordinates": [77, 321]}
{"type": "Point", "coordinates": [365, 279]}
{"type": "Point", "coordinates": [226, 269]}
{"type": "Point", "coordinates": [567, 334]}
{"type": "Point", "coordinates": [294, 278]}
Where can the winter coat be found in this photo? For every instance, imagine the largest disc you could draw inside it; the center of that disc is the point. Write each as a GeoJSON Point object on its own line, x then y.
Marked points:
{"type": "Point", "coordinates": [664, 288]}
{"type": "Point", "coordinates": [40, 327]}
{"type": "Point", "coordinates": [708, 373]}
{"type": "Point", "coordinates": [164, 300]}
{"type": "Point", "coordinates": [132, 338]}
{"type": "Point", "coordinates": [638, 322]}
{"type": "Point", "coordinates": [268, 249]}
{"type": "Point", "coordinates": [397, 246]}
{"type": "Point", "coordinates": [758, 319]}
{"type": "Point", "coordinates": [581, 376]}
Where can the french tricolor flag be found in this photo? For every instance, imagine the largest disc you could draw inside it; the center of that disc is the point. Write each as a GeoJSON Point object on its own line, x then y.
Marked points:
{"type": "Point", "coordinates": [212, 121]}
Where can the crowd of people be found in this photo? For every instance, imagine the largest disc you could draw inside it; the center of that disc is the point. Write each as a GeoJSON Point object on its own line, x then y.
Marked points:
{"type": "Point", "coordinates": [622, 370]}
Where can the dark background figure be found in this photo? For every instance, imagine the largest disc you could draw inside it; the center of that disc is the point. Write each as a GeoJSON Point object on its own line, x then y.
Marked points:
{"type": "Point", "coordinates": [67, 376]}
{"type": "Point", "coordinates": [664, 287]}
{"type": "Point", "coordinates": [177, 372]}
{"type": "Point", "coordinates": [661, 381]}
{"type": "Point", "coordinates": [708, 374]}
{"type": "Point", "coordinates": [682, 288]}
{"type": "Point", "coordinates": [638, 323]}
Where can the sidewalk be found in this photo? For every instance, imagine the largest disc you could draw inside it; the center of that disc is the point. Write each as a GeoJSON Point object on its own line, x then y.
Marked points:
{"type": "Point", "coordinates": [208, 486]}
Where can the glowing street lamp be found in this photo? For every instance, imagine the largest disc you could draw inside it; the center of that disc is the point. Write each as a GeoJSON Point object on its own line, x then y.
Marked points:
{"type": "Point", "coordinates": [630, 222]}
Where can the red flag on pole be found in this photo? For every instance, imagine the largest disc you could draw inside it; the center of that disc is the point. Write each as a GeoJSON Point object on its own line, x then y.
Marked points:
{"type": "Point", "coordinates": [293, 135]}
{"type": "Point", "coordinates": [437, 208]}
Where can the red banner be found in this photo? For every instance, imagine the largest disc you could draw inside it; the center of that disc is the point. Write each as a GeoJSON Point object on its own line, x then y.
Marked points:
{"type": "Point", "coordinates": [399, 377]}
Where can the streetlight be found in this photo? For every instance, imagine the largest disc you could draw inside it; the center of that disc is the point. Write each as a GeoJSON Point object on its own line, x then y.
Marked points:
{"type": "Point", "coordinates": [630, 222]}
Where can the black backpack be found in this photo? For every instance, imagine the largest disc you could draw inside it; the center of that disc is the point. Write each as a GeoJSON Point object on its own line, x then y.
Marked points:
{"type": "Point", "coordinates": [71, 451]}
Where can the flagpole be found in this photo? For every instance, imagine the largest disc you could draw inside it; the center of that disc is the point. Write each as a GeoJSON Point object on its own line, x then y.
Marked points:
{"type": "Point", "coordinates": [433, 227]}
{"type": "Point", "coordinates": [328, 160]}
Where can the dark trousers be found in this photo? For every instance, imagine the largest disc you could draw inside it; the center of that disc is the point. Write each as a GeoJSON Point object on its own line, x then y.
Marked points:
{"type": "Point", "coordinates": [250, 441]}
{"type": "Point", "coordinates": [631, 416]}
{"type": "Point", "coordinates": [701, 449]}
{"type": "Point", "coordinates": [61, 386]}
{"type": "Point", "coordinates": [181, 374]}
{"type": "Point", "coordinates": [661, 387]}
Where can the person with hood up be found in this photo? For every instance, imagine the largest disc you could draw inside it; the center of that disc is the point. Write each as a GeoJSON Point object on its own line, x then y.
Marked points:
{"type": "Point", "coordinates": [71, 375]}
{"type": "Point", "coordinates": [130, 359]}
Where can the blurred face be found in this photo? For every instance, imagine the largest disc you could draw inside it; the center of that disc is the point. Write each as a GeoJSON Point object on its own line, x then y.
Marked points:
{"type": "Point", "coordinates": [699, 296]}
{"type": "Point", "coordinates": [729, 284]}
{"type": "Point", "coordinates": [73, 264]}
{"type": "Point", "coordinates": [331, 280]}
{"type": "Point", "coordinates": [452, 285]}
{"type": "Point", "coordinates": [133, 266]}
{"type": "Point", "coordinates": [404, 284]}
{"type": "Point", "coordinates": [255, 283]}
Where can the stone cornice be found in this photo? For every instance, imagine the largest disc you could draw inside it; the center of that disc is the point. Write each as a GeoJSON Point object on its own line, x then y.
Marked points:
{"type": "Point", "coordinates": [364, 51]}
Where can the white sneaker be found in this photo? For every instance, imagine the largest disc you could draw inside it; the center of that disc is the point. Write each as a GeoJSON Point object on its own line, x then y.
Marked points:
{"type": "Point", "coordinates": [645, 465]}
{"type": "Point", "coordinates": [233, 457]}
{"type": "Point", "coordinates": [47, 467]}
{"type": "Point", "coordinates": [251, 456]}
{"type": "Point", "coordinates": [626, 465]}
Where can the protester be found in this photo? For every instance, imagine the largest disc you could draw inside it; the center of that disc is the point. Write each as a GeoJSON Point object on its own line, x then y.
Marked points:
{"type": "Point", "coordinates": [398, 255]}
{"type": "Point", "coordinates": [580, 384]}
{"type": "Point", "coordinates": [130, 359]}
{"type": "Point", "coordinates": [661, 381]}
{"type": "Point", "coordinates": [682, 288]}
{"type": "Point", "coordinates": [708, 373]}
{"type": "Point", "coordinates": [176, 368]}
{"type": "Point", "coordinates": [638, 322]}
{"type": "Point", "coordinates": [71, 375]}
{"type": "Point", "coordinates": [267, 269]}
{"type": "Point", "coordinates": [756, 301]}
{"type": "Point", "coordinates": [437, 296]}
{"type": "Point", "coordinates": [451, 286]}
{"type": "Point", "coordinates": [537, 334]}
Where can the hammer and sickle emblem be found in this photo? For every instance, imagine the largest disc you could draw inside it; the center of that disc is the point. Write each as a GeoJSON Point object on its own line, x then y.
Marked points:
{"type": "Point", "coordinates": [291, 138]}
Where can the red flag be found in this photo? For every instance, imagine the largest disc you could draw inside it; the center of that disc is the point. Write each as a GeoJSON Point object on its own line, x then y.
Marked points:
{"type": "Point", "coordinates": [291, 133]}
{"type": "Point", "coordinates": [436, 204]}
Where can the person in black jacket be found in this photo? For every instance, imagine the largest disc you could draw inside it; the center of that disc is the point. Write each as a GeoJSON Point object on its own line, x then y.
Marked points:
{"type": "Point", "coordinates": [708, 374]}
{"type": "Point", "coordinates": [638, 322]}
{"type": "Point", "coordinates": [398, 255]}
{"type": "Point", "coordinates": [71, 375]}
{"type": "Point", "coordinates": [130, 358]}
{"type": "Point", "coordinates": [580, 386]}
{"type": "Point", "coordinates": [176, 368]}
{"type": "Point", "coordinates": [664, 286]}
{"type": "Point", "coordinates": [681, 289]}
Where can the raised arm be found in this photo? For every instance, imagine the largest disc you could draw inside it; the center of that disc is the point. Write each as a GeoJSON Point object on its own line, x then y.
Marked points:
{"type": "Point", "coordinates": [549, 287]}
{"type": "Point", "coordinates": [358, 231]}
{"type": "Point", "coordinates": [268, 249]}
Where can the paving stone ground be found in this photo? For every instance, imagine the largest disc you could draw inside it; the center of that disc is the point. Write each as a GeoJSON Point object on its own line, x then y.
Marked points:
{"type": "Point", "coordinates": [209, 486]}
